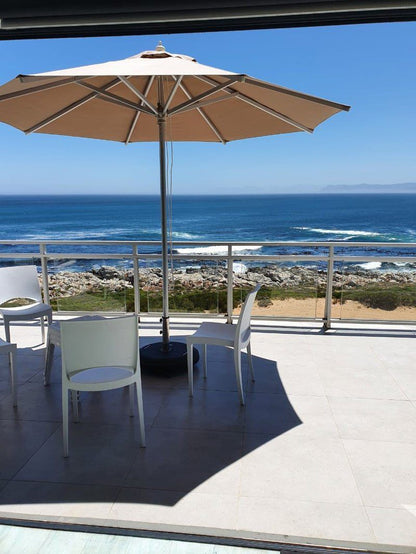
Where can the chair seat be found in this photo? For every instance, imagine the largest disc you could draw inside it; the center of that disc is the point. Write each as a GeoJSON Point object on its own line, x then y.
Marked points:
{"type": "Point", "coordinates": [101, 375]}
{"type": "Point", "coordinates": [38, 309]}
{"type": "Point", "coordinates": [218, 333]}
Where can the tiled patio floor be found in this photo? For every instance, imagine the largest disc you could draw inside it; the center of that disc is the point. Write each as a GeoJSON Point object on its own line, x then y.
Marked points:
{"type": "Point", "coordinates": [323, 453]}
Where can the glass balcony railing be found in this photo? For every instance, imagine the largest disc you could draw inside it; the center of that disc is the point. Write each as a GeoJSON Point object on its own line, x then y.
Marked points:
{"type": "Point", "coordinates": [320, 281]}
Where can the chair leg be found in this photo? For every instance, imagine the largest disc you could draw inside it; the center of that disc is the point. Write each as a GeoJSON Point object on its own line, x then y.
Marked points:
{"type": "Point", "coordinates": [65, 421]}
{"type": "Point", "coordinates": [190, 353]}
{"type": "Point", "coordinates": [42, 327]}
{"type": "Point", "coordinates": [131, 397]}
{"type": "Point", "coordinates": [74, 396]}
{"type": "Point", "coordinates": [140, 411]}
{"type": "Point", "coordinates": [50, 349]}
{"type": "Point", "coordinates": [205, 360]}
{"type": "Point", "coordinates": [250, 361]}
{"type": "Point", "coordinates": [7, 329]}
{"type": "Point", "coordinates": [11, 365]}
{"type": "Point", "coordinates": [237, 366]}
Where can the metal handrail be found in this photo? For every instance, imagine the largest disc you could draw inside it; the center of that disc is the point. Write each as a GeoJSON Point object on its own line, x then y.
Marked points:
{"type": "Point", "coordinates": [229, 256]}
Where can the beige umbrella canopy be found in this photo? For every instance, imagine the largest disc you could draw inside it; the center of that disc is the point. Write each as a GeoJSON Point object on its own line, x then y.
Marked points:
{"type": "Point", "coordinates": [131, 100]}
{"type": "Point", "coordinates": [122, 101]}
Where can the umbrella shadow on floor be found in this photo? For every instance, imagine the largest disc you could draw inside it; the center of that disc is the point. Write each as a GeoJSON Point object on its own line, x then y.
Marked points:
{"type": "Point", "coordinates": [193, 444]}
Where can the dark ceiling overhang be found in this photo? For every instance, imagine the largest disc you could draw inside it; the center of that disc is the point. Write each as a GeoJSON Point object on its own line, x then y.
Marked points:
{"type": "Point", "coordinates": [62, 18]}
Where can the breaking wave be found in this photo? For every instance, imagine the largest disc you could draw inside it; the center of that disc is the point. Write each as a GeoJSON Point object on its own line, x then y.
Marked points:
{"type": "Point", "coordinates": [217, 250]}
{"type": "Point", "coordinates": [350, 233]}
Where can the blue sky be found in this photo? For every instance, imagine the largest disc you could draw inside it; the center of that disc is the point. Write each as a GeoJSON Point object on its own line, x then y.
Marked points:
{"type": "Point", "coordinates": [369, 67]}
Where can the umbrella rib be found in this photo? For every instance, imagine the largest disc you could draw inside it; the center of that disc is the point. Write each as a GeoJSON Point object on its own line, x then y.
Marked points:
{"type": "Point", "coordinates": [137, 92]}
{"type": "Point", "coordinates": [205, 94]}
{"type": "Point", "coordinates": [136, 117]}
{"type": "Point", "coordinates": [115, 99]}
{"type": "Point", "coordinates": [67, 109]}
{"type": "Point", "coordinates": [207, 119]}
{"type": "Point", "coordinates": [39, 88]}
{"type": "Point", "coordinates": [259, 106]}
{"type": "Point", "coordinates": [172, 93]}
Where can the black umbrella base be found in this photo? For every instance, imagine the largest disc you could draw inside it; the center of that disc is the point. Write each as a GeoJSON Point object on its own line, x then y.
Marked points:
{"type": "Point", "coordinates": [166, 364]}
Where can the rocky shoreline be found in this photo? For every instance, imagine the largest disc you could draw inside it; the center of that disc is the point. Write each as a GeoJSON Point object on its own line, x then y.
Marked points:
{"type": "Point", "coordinates": [65, 283]}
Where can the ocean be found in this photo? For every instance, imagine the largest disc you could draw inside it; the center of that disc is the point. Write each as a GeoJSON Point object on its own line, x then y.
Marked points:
{"type": "Point", "coordinates": [350, 218]}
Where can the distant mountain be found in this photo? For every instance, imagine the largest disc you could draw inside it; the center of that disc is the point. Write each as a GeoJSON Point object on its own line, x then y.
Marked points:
{"type": "Point", "coordinates": [408, 188]}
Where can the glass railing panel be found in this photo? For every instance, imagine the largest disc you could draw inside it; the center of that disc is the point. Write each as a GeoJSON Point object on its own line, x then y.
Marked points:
{"type": "Point", "coordinates": [199, 287]}
{"type": "Point", "coordinates": [84, 286]}
{"type": "Point", "coordinates": [150, 286]}
{"type": "Point", "coordinates": [296, 291]}
{"type": "Point", "coordinates": [376, 291]}
{"type": "Point", "coordinates": [195, 287]}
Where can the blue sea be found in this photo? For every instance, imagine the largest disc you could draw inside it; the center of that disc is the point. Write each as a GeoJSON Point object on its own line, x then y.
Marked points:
{"type": "Point", "coordinates": [348, 218]}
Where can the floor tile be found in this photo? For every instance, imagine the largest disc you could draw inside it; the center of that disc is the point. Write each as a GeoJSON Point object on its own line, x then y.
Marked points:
{"type": "Point", "coordinates": [393, 526]}
{"type": "Point", "coordinates": [207, 409]}
{"type": "Point", "coordinates": [385, 472]}
{"type": "Point", "coordinates": [20, 441]}
{"type": "Point", "coordinates": [348, 381]}
{"type": "Point", "coordinates": [296, 378]}
{"type": "Point", "coordinates": [98, 454]}
{"type": "Point", "coordinates": [35, 403]}
{"type": "Point", "coordinates": [405, 376]}
{"type": "Point", "coordinates": [181, 460]}
{"type": "Point", "coordinates": [220, 376]}
{"type": "Point", "coordinates": [197, 509]}
{"type": "Point", "coordinates": [367, 419]}
{"type": "Point", "coordinates": [304, 519]}
{"type": "Point", "coordinates": [300, 414]}
{"type": "Point", "coordinates": [315, 470]}
{"type": "Point", "coordinates": [57, 499]}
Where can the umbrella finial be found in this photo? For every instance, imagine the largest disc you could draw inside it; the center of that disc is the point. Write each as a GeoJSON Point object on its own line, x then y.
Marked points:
{"type": "Point", "coordinates": [160, 47]}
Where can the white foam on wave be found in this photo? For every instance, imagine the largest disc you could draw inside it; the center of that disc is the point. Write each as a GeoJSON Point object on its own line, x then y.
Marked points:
{"type": "Point", "coordinates": [215, 250]}
{"type": "Point", "coordinates": [71, 235]}
{"type": "Point", "coordinates": [175, 234]}
{"type": "Point", "coordinates": [370, 265]}
{"type": "Point", "coordinates": [105, 234]}
{"type": "Point", "coordinates": [239, 268]}
{"type": "Point", "coordinates": [179, 235]}
{"type": "Point", "coordinates": [339, 232]}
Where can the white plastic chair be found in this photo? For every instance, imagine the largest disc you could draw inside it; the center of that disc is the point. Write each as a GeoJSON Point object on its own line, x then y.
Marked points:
{"type": "Point", "coordinates": [97, 356]}
{"type": "Point", "coordinates": [22, 282]}
{"type": "Point", "coordinates": [234, 336]}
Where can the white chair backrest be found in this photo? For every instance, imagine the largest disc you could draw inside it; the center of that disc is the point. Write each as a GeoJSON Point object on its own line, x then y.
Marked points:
{"type": "Point", "coordinates": [99, 343]}
{"type": "Point", "coordinates": [243, 326]}
{"type": "Point", "coordinates": [19, 282]}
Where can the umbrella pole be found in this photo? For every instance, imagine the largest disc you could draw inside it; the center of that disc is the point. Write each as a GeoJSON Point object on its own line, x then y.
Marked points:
{"type": "Point", "coordinates": [165, 262]}
{"type": "Point", "coordinates": [166, 357]}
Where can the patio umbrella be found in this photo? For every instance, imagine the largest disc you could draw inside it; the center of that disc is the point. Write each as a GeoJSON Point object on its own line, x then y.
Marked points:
{"type": "Point", "coordinates": [133, 99]}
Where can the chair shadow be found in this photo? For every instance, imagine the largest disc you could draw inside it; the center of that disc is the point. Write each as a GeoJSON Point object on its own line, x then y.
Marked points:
{"type": "Point", "coordinates": [189, 441]}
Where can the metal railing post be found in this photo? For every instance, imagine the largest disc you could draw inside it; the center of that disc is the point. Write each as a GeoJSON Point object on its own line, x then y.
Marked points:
{"type": "Point", "coordinates": [230, 302]}
{"type": "Point", "coordinates": [328, 294]}
{"type": "Point", "coordinates": [45, 277]}
{"type": "Point", "coordinates": [136, 286]}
